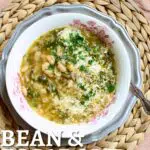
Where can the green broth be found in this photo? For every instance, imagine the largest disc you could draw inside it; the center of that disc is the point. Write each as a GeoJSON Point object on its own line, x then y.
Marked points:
{"type": "Point", "coordinates": [68, 75]}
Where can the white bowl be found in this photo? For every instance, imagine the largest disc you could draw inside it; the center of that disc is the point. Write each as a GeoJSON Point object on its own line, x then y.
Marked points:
{"type": "Point", "coordinates": [21, 46]}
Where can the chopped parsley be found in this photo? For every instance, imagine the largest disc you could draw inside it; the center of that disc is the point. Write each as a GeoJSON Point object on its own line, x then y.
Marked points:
{"type": "Point", "coordinates": [81, 86]}
{"type": "Point", "coordinates": [87, 97]}
{"type": "Point", "coordinates": [91, 61]}
{"type": "Point", "coordinates": [76, 39]}
{"type": "Point", "coordinates": [51, 67]}
{"type": "Point", "coordinates": [81, 57]}
{"type": "Point", "coordinates": [51, 87]}
{"type": "Point", "coordinates": [83, 68]}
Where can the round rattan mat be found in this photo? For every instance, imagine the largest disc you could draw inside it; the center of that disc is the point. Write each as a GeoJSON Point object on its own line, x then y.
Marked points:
{"type": "Point", "coordinates": [130, 134]}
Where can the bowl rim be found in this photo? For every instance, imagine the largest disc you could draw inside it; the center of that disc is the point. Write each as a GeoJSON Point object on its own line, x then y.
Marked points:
{"type": "Point", "coordinates": [94, 13]}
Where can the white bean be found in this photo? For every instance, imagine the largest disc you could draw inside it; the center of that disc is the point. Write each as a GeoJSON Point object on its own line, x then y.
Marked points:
{"type": "Point", "coordinates": [43, 91]}
{"type": "Point", "coordinates": [24, 91]}
{"type": "Point", "coordinates": [61, 67]}
{"type": "Point", "coordinates": [24, 68]}
{"type": "Point", "coordinates": [70, 67]}
{"type": "Point", "coordinates": [45, 66]}
{"type": "Point", "coordinates": [59, 51]}
{"type": "Point", "coordinates": [70, 83]}
{"type": "Point", "coordinates": [51, 59]}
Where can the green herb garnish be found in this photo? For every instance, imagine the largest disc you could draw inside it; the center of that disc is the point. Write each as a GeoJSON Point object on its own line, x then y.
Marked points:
{"type": "Point", "coordinates": [81, 86]}
{"type": "Point", "coordinates": [87, 97]}
{"type": "Point", "coordinates": [83, 68]}
{"type": "Point", "coordinates": [91, 61]}
{"type": "Point", "coordinates": [110, 87]}
{"type": "Point", "coordinates": [51, 67]}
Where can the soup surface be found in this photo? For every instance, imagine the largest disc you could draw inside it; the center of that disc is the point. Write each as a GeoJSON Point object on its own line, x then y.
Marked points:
{"type": "Point", "coordinates": [68, 75]}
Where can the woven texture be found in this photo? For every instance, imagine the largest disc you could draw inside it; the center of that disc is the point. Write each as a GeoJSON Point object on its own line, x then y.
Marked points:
{"type": "Point", "coordinates": [130, 134]}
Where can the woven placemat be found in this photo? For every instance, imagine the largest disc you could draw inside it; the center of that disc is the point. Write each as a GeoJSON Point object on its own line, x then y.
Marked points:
{"type": "Point", "coordinates": [130, 134]}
